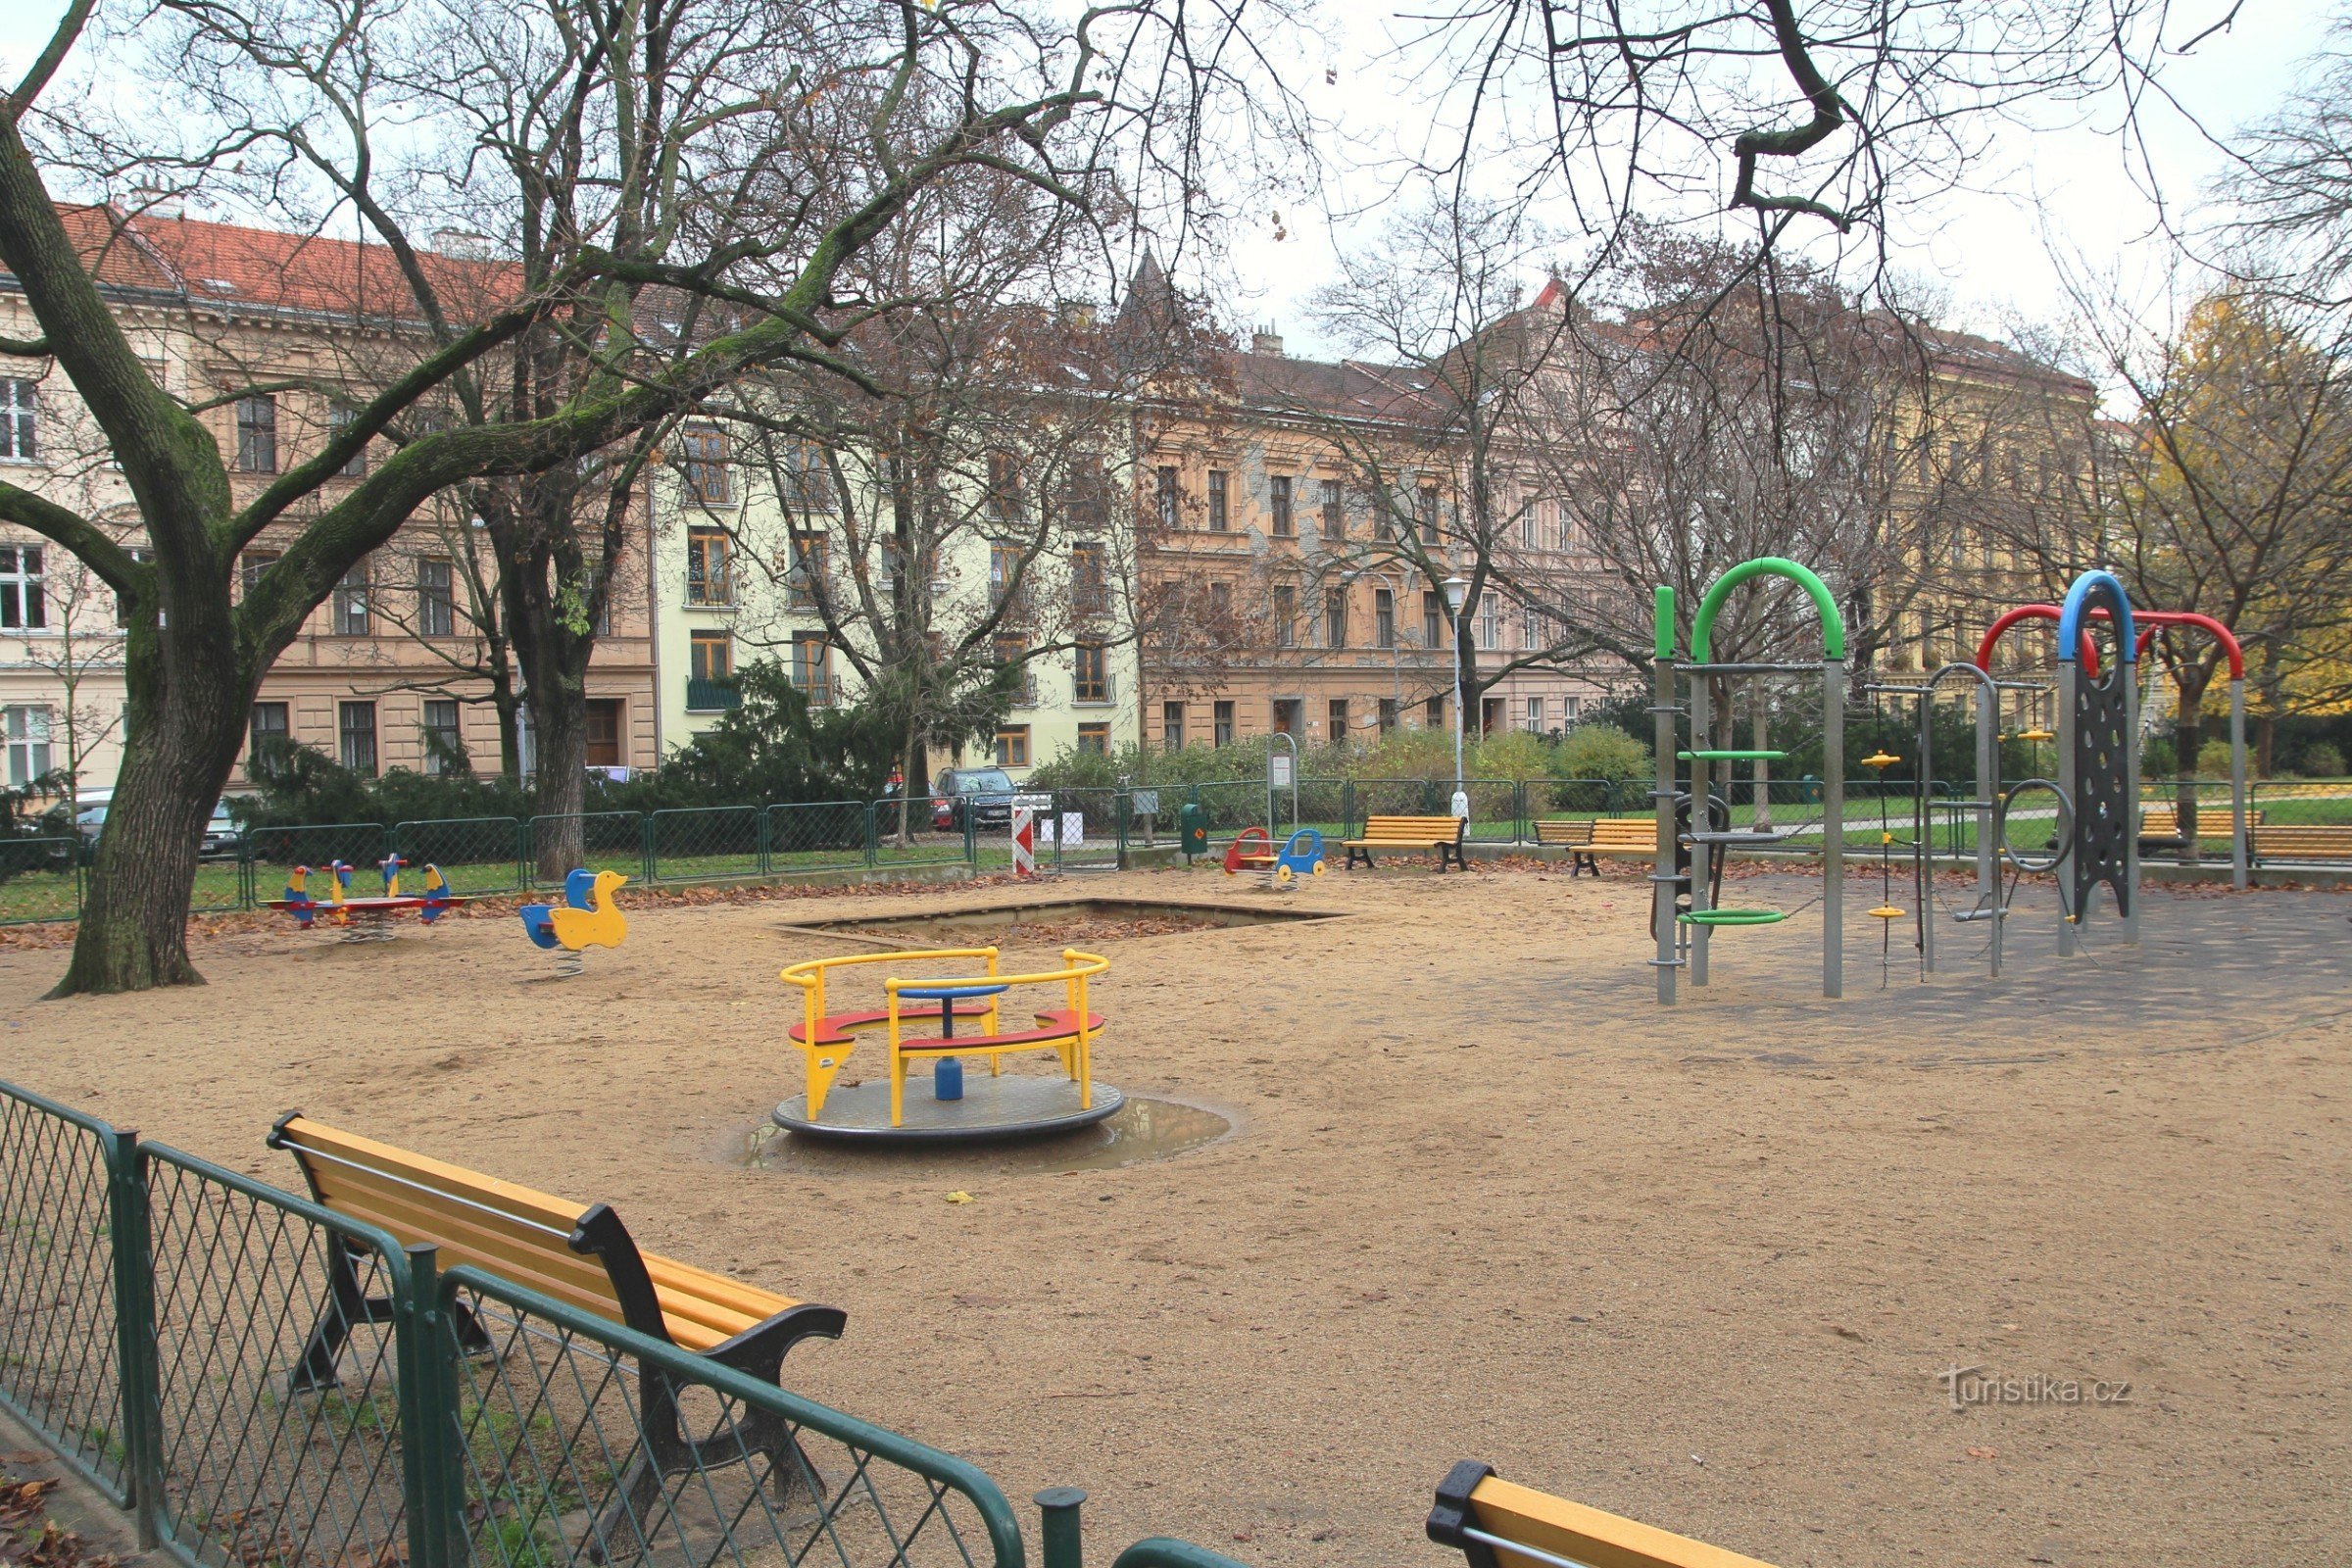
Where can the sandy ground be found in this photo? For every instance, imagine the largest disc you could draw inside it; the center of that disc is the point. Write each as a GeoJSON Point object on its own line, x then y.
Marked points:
{"type": "Point", "coordinates": [1483, 1200]}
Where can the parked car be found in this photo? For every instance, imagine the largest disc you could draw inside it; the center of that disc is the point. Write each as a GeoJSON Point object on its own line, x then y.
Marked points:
{"type": "Point", "coordinates": [219, 840]}
{"type": "Point", "coordinates": [984, 794]}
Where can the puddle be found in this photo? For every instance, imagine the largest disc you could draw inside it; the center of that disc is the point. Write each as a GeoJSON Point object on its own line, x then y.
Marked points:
{"type": "Point", "coordinates": [1144, 1131]}
{"type": "Point", "coordinates": [1060, 920]}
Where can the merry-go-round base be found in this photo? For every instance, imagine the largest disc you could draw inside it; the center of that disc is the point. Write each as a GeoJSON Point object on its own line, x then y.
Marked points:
{"type": "Point", "coordinates": [1013, 1105]}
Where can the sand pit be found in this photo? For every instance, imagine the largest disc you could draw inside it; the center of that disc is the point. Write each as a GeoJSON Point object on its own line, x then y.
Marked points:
{"type": "Point", "coordinates": [1468, 1194]}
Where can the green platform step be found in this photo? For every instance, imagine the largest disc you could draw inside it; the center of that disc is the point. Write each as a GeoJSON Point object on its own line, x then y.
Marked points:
{"type": "Point", "coordinates": [1730, 756]}
{"type": "Point", "coordinates": [1733, 917]}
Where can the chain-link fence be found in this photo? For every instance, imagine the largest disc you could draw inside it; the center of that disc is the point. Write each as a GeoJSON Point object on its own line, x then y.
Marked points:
{"type": "Point", "coordinates": [557, 844]}
{"type": "Point", "coordinates": [818, 835]}
{"type": "Point", "coordinates": [40, 879]}
{"type": "Point", "coordinates": [478, 855]}
{"type": "Point", "coordinates": [1089, 828]}
{"type": "Point", "coordinates": [58, 1372]}
{"type": "Point", "coordinates": [915, 831]}
{"type": "Point", "coordinates": [710, 843]}
{"type": "Point", "coordinates": [273, 852]}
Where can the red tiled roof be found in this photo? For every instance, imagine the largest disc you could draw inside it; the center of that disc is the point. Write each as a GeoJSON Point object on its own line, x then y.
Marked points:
{"type": "Point", "coordinates": [232, 263]}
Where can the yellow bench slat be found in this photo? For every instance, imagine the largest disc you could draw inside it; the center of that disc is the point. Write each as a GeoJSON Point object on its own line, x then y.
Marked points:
{"type": "Point", "coordinates": [1585, 1535]}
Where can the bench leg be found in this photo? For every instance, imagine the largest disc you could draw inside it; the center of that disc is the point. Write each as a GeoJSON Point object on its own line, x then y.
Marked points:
{"type": "Point", "coordinates": [346, 1305]}
{"type": "Point", "coordinates": [1355, 855]}
{"type": "Point", "coordinates": [1579, 862]}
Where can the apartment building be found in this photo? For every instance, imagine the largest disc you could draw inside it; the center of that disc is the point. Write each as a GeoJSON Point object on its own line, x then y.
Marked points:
{"type": "Point", "coordinates": [390, 672]}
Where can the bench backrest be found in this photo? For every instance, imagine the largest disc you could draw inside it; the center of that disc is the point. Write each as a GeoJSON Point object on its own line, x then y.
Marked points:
{"type": "Point", "coordinates": [2331, 837]}
{"type": "Point", "coordinates": [2213, 821]}
{"type": "Point", "coordinates": [1619, 832]}
{"type": "Point", "coordinates": [510, 1230]}
{"type": "Point", "coordinates": [1574, 830]}
{"type": "Point", "coordinates": [1474, 1502]}
{"type": "Point", "coordinates": [1415, 827]}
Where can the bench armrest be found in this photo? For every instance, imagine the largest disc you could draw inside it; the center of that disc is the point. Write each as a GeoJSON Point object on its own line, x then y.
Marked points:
{"type": "Point", "coordinates": [760, 1349]}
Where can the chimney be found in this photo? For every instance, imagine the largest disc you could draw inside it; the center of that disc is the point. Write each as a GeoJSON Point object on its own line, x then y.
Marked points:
{"type": "Point", "coordinates": [1265, 340]}
{"type": "Point", "coordinates": [155, 201]}
{"type": "Point", "coordinates": [464, 242]}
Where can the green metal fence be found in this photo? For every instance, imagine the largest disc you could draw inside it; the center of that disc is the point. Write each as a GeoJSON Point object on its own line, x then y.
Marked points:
{"type": "Point", "coordinates": [706, 844]}
{"type": "Point", "coordinates": [263, 1382]}
{"type": "Point", "coordinates": [477, 855]}
{"type": "Point", "coordinates": [60, 1358]}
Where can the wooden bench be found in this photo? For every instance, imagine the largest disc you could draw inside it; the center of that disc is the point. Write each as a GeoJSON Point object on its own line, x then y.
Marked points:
{"type": "Point", "coordinates": [2160, 825]}
{"type": "Point", "coordinates": [1442, 834]}
{"type": "Point", "coordinates": [1573, 834]}
{"type": "Point", "coordinates": [1494, 1523]}
{"type": "Point", "coordinates": [2302, 841]}
{"type": "Point", "coordinates": [580, 1255]}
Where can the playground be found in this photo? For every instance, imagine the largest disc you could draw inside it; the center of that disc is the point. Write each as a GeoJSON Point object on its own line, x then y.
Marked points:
{"type": "Point", "coordinates": [1480, 1197]}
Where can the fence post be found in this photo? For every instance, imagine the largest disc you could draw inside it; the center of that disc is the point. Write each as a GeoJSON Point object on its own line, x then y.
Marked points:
{"type": "Point", "coordinates": [1121, 809]}
{"type": "Point", "coordinates": [1059, 1538]}
{"type": "Point", "coordinates": [873, 837]}
{"type": "Point", "coordinates": [1347, 807]}
{"type": "Point", "coordinates": [1519, 812]}
{"type": "Point", "coordinates": [138, 1383]}
{"type": "Point", "coordinates": [767, 841]}
{"type": "Point", "coordinates": [432, 1470]}
{"type": "Point", "coordinates": [645, 842]}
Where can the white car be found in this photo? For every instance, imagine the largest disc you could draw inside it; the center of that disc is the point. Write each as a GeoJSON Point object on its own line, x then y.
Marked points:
{"type": "Point", "coordinates": [220, 834]}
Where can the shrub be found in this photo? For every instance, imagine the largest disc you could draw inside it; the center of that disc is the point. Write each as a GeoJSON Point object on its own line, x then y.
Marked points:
{"type": "Point", "coordinates": [2213, 759]}
{"type": "Point", "coordinates": [1604, 751]}
{"type": "Point", "coordinates": [2323, 760]}
{"type": "Point", "coordinates": [1516, 755]}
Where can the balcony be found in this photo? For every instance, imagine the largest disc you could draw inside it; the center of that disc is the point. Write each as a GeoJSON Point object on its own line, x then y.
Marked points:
{"type": "Point", "coordinates": [712, 696]}
{"type": "Point", "coordinates": [714, 592]}
{"type": "Point", "coordinates": [1095, 693]}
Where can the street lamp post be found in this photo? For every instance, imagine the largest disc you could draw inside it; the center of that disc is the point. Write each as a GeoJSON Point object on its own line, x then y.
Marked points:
{"type": "Point", "coordinates": [1456, 590]}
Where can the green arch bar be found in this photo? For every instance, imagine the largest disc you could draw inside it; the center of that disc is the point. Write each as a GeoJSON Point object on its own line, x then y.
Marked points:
{"type": "Point", "coordinates": [1703, 625]}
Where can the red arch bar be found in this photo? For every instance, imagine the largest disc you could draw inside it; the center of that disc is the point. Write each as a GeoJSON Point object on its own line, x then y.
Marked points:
{"type": "Point", "coordinates": [2151, 618]}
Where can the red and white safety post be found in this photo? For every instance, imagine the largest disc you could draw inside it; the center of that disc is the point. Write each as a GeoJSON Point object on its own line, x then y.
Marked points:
{"type": "Point", "coordinates": [1024, 841]}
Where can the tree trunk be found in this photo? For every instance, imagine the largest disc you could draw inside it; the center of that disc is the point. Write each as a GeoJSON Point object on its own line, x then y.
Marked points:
{"type": "Point", "coordinates": [560, 791]}
{"type": "Point", "coordinates": [2188, 736]}
{"type": "Point", "coordinates": [188, 706]}
{"type": "Point", "coordinates": [507, 704]}
{"type": "Point", "coordinates": [2266, 741]}
{"type": "Point", "coordinates": [1760, 728]}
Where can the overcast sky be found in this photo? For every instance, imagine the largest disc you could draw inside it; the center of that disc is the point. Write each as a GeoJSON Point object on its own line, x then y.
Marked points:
{"type": "Point", "coordinates": [1989, 248]}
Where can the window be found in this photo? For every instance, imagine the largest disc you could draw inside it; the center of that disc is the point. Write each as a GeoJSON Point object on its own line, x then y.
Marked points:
{"type": "Point", "coordinates": [1335, 617]}
{"type": "Point", "coordinates": [1286, 615]}
{"type": "Point", "coordinates": [1279, 503]}
{"type": "Point", "coordinates": [1004, 487]}
{"type": "Point", "coordinates": [1223, 713]}
{"type": "Point", "coordinates": [444, 742]}
{"type": "Point", "coordinates": [355, 729]}
{"type": "Point", "coordinates": [1433, 619]}
{"type": "Point", "coordinates": [1012, 746]}
{"type": "Point", "coordinates": [707, 578]}
{"type": "Point", "coordinates": [808, 575]}
{"type": "Point", "coordinates": [24, 602]}
{"type": "Point", "coordinates": [604, 732]}
{"type": "Point", "coordinates": [1571, 707]}
{"type": "Point", "coordinates": [1094, 740]}
{"type": "Point", "coordinates": [1090, 674]}
{"type": "Point", "coordinates": [710, 656]}
{"type": "Point", "coordinates": [257, 435]}
{"type": "Point", "coordinates": [1171, 726]}
{"type": "Point", "coordinates": [27, 730]}
{"type": "Point", "coordinates": [707, 478]}
{"type": "Point", "coordinates": [1087, 499]}
{"type": "Point", "coordinates": [351, 618]}
{"type": "Point", "coordinates": [1426, 508]}
{"type": "Point", "coordinates": [1490, 624]}
{"type": "Point", "coordinates": [1220, 601]}
{"type": "Point", "coordinates": [1387, 715]}
{"type": "Point", "coordinates": [338, 421]}
{"type": "Point", "coordinates": [1168, 498]}
{"type": "Point", "coordinates": [807, 482]}
{"type": "Point", "coordinates": [251, 566]}
{"type": "Point", "coordinates": [1531, 635]}
{"type": "Point", "coordinates": [1384, 618]}
{"type": "Point", "coordinates": [1011, 652]}
{"type": "Point", "coordinates": [1217, 518]}
{"type": "Point", "coordinates": [1003, 572]}
{"type": "Point", "coordinates": [813, 667]}
{"type": "Point", "coordinates": [1337, 718]}
{"type": "Point", "coordinates": [1433, 712]}
{"type": "Point", "coordinates": [1090, 587]}
{"type": "Point", "coordinates": [1287, 715]}
{"type": "Point", "coordinates": [20, 420]}
{"type": "Point", "coordinates": [1489, 715]}
{"type": "Point", "coordinates": [267, 726]}
{"type": "Point", "coordinates": [436, 606]}
{"type": "Point", "coordinates": [1535, 716]}
{"type": "Point", "coordinates": [1335, 518]}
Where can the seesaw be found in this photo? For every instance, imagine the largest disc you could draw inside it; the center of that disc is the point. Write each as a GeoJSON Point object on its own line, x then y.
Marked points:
{"type": "Point", "coordinates": [1252, 850]}
{"type": "Point", "coordinates": [368, 918]}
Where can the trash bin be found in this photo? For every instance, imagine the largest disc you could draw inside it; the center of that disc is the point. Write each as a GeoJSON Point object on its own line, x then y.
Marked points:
{"type": "Point", "coordinates": [1191, 828]}
{"type": "Point", "coordinates": [1812, 790]}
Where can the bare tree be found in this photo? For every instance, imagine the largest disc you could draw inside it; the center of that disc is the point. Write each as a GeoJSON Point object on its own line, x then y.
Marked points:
{"type": "Point", "coordinates": [737, 153]}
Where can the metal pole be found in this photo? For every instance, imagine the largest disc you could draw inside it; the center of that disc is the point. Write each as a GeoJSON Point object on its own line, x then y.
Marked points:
{"type": "Point", "coordinates": [1702, 789]}
{"type": "Point", "coordinates": [1661, 876]}
{"type": "Point", "coordinates": [1059, 1542]}
{"type": "Point", "coordinates": [138, 1378]}
{"type": "Point", "coordinates": [2070, 676]}
{"type": "Point", "coordinates": [2131, 803]}
{"type": "Point", "coordinates": [2238, 784]}
{"type": "Point", "coordinates": [1988, 784]}
{"type": "Point", "coordinates": [1922, 832]}
{"type": "Point", "coordinates": [1457, 701]}
{"type": "Point", "coordinates": [1833, 816]}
